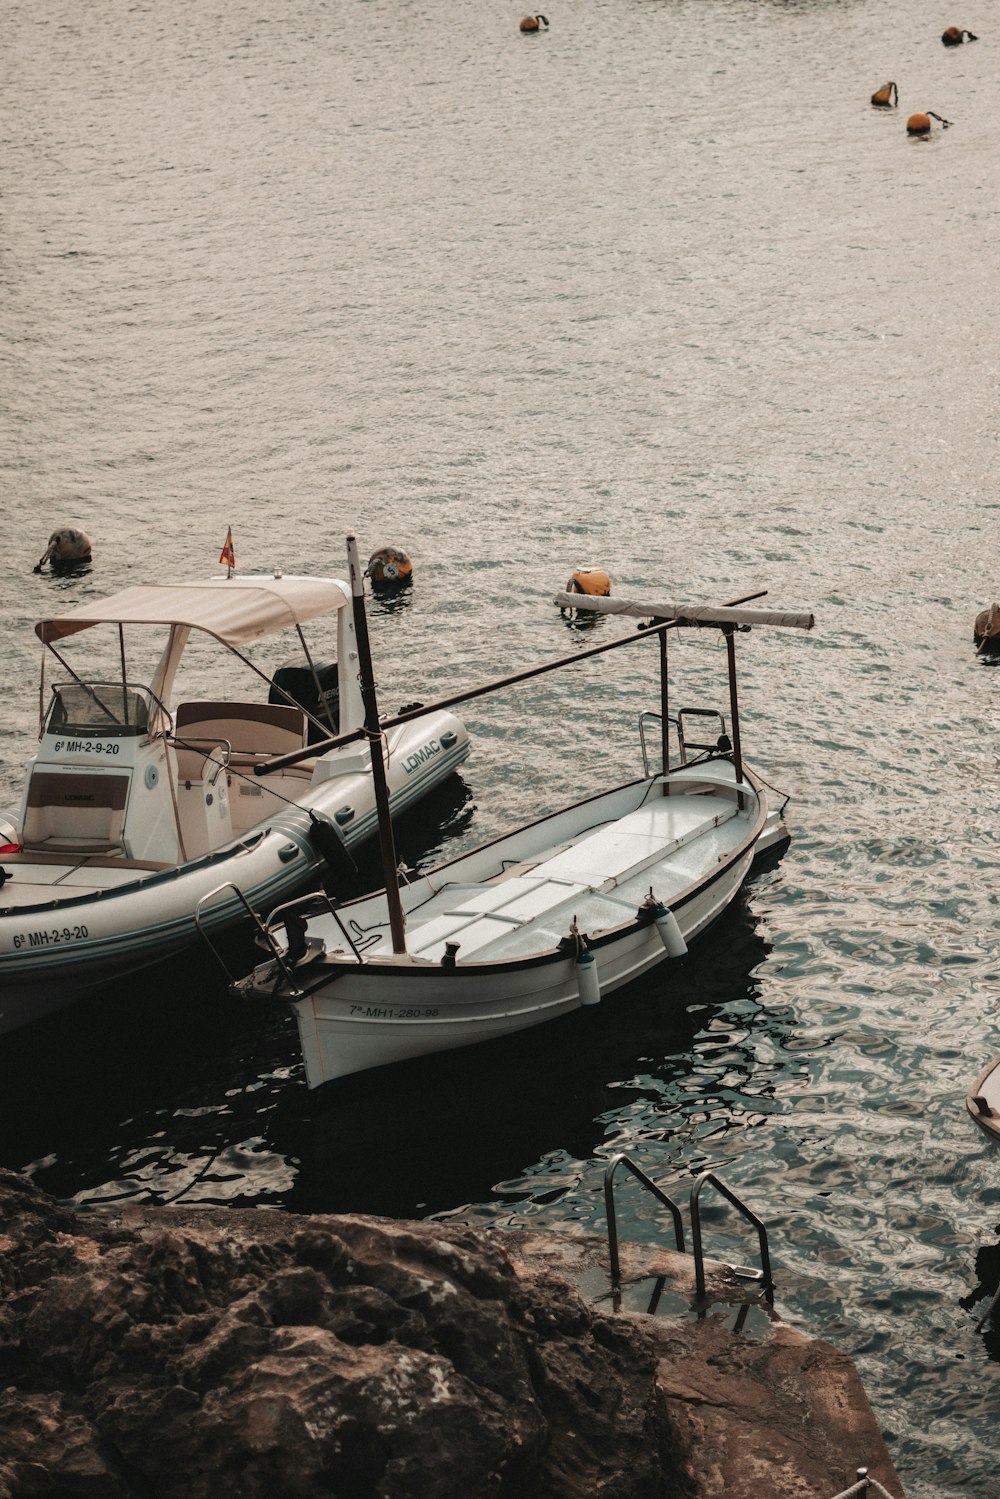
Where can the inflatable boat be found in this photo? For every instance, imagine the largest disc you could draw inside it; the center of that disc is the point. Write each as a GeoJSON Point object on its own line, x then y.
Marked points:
{"type": "Point", "coordinates": [142, 806]}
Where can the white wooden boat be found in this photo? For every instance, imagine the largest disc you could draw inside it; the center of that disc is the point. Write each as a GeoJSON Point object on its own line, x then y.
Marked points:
{"type": "Point", "coordinates": [532, 926]}
{"type": "Point", "coordinates": [983, 1099]}
{"type": "Point", "coordinates": [140, 801]}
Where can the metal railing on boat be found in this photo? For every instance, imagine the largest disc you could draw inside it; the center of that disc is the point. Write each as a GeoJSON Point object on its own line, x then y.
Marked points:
{"type": "Point", "coordinates": [719, 746]}
{"type": "Point", "coordinates": [304, 905]}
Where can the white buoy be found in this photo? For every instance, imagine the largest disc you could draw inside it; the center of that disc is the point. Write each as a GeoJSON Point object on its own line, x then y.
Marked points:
{"type": "Point", "coordinates": [588, 983]}
{"type": "Point", "coordinates": [670, 933]}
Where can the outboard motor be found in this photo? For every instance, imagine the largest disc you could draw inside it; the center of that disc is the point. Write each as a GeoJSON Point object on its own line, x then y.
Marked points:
{"type": "Point", "coordinates": [298, 682]}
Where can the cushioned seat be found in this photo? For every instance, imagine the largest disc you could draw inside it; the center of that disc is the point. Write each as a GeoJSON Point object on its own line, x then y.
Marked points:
{"type": "Point", "coordinates": [252, 730]}
{"type": "Point", "coordinates": [75, 812]}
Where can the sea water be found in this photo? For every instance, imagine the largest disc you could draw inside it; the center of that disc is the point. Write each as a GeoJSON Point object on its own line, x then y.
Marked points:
{"type": "Point", "coordinates": [656, 291]}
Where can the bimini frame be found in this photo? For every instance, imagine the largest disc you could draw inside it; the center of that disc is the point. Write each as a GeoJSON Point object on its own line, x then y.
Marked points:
{"type": "Point", "coordinates": [660, 618]}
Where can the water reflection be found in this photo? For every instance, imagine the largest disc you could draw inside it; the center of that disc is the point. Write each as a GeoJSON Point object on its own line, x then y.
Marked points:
{"type": "Point", "coordinates": [986, 1289]}
{"type": "Point", "coordinates": [192, 1098]}
{"type": "Point", "coordinates": [391, 601]}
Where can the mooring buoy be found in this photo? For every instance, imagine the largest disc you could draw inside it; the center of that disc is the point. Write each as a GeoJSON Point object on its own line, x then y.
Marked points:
{"type": "Point", "coordinates": [390, 568]}
{"type": "Point", "coordinates": [593, 581]}
{"type": "Point", "coordinates": [986, 630]}
{"type": "Point", "coordinates": [590, 580]}
{"type": "Point", "coordinates": [920, 124]}
{"type": "Point", "coordinates": [886, 97]}
{"type": "Point", "coordinates": [67, 549]}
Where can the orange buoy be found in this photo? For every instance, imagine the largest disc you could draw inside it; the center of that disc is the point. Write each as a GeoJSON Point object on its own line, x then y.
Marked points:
{"type": "Point", "coordinates": [952, 36]}
{"type": "Point", "coordinates": [390, 568]}
{"type": "Point", "coordinates": [887, 96]}
{"type": "Point", "coordinates": [920, 124]}
{"type": "Point", "coordinates": [592, 581]}
{"type": "Point", "coordinates": [531, 24]}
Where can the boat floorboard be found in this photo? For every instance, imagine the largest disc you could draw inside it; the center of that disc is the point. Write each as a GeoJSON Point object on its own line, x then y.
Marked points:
{"type": "Point", "coordinates": [533, 904]}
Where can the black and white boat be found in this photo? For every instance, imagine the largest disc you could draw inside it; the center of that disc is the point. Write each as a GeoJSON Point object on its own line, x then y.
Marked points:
{"type": "Point", "coordinates": [546, 919]}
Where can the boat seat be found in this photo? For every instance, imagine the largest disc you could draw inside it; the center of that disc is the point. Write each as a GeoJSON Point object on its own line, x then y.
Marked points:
{"type": "Point", "coordinates": [623, 847]}
{"type": "Point", "coordinates": [75, 812]}
{"type": "Point", "coordinates": [252, 730]}
{"type": "Point", "coordinates": [197, 759]}
{"type": "Point", "coordinates": [41, 857]}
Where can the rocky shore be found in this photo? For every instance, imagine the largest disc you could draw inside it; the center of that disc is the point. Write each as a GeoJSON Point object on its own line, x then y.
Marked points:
{"type": "Point", "coordinates": [155, 1354]}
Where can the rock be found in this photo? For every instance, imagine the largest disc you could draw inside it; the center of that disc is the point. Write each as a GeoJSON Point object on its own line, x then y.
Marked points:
{"type": "Point", "coordinates": [761, 1408]}
{"type": "Point", "coordinates": [177, 1355]}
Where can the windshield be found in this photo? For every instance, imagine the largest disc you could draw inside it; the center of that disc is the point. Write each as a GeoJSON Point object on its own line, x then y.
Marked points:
{"type": "Point", "coordinates": [105, 708]}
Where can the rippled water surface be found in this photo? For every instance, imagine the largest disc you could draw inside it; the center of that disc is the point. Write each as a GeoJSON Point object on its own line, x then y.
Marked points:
{"type": "Point", "coordinates": [658, 291]}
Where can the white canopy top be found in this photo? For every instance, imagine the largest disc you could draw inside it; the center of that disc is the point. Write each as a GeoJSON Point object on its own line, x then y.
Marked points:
{"type": "Point", "coordinates": [699, 613]}
{"type": "Point", "coordinates": [233, 610]}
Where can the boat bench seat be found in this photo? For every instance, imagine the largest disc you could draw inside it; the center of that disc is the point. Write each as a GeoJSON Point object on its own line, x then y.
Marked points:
{"type": "Point", "coordinates": [75, 812]}
{"type": "Point", "coordinates": [621, 848]}
{"type": "Point", "coordinates": [254, 731]}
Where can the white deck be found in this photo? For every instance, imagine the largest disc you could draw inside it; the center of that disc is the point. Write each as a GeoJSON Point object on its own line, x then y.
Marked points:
{"type": "Point", "coordinates": [601, 880]}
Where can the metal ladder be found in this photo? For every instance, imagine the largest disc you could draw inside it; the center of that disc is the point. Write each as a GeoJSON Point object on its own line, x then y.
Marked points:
{"type": "Point", "coordinates": [865, 1487]}
{"type": "Point", "coordinates": [763, 1275]}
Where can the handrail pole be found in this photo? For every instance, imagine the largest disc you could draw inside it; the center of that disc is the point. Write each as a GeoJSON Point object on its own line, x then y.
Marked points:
{"type": "Point", "coordinates": [729, 633]}
{"type": "Point", "coordinates": [748, 1213]}
{"type": "Point", "coordinates": [210, 895]}
{"type": "Point", "coordinates": [664, 706]}
{"type": "Point", "coordinates": [609, 1205]}
{"type": "Point", "coordinates": [609, 1202]}
{"type": "Point", "coordinates": [696, 1245]}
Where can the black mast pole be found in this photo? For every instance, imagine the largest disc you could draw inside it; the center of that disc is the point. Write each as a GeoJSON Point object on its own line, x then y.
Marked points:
{"type": "Point", "coordinates": [729, 632]}
{"type": "Point", "coordinates": [373, 733]}
{"type": "Point", "coordinates": [664, 705]}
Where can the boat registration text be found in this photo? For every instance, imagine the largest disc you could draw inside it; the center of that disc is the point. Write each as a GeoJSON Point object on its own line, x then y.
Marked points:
{"type": "Point", "coordinates": [48, 938]}
{"type": "Point", "coordinates": [87, 747]}
{"type": "Point", "coordinates": [388, 1012]}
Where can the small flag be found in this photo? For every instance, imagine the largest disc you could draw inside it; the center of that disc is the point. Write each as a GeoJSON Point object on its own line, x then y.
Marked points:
{"type": "Point", "coordinates": [229, 551]}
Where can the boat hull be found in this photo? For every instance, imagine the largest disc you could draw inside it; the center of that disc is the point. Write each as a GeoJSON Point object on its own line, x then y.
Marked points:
{"type": "Point", "coordinates": [347, 1028]}
{"type": "Point", "coordinates": [494, 937]}
{"type": "Point", "coordinates": [983, 1099]}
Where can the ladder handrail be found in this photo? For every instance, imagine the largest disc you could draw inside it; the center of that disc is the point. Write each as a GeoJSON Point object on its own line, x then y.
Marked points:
{"type": "Point", "coordinates": [609, 1203]}
{"type": "Point", "coordinates": [731, 1197]}
{"type": "Point", "coordinates": [696, 1243]}
{"type": "Point", "coordinates": [866, 1487]}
